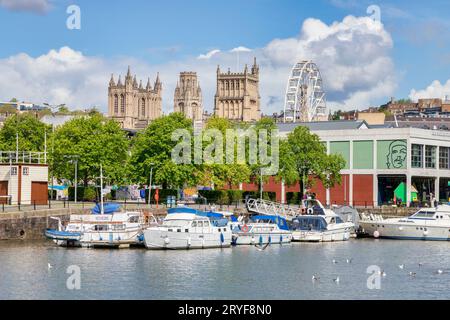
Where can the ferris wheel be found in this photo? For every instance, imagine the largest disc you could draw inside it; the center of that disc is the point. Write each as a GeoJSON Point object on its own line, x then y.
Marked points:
{"type": "Point", "coordinates": [305, 97]}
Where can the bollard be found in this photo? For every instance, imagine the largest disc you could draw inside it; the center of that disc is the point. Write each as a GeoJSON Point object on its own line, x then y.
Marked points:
{"type": "Point", "coordinates": [34, 204]}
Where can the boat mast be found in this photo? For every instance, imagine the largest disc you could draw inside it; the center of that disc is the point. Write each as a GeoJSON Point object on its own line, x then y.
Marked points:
{"type": "Point", "coordinates": [102, 211]}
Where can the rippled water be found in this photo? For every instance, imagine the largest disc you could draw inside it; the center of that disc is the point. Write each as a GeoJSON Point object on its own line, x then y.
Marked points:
{"type": "Point", "coordinates": [279, 272]}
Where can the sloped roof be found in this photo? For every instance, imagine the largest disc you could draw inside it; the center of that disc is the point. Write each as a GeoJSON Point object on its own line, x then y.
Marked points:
{"type": "Point", "coordinates": [325, 125]}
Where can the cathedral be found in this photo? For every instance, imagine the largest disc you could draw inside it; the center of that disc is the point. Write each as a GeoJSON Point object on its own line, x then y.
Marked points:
{"type": "Point", "coordinates": [188, 96]}
{"type": "Point", "coordinates": [237, 95]}
{"type": "Point", "coordinates": [133, 105]}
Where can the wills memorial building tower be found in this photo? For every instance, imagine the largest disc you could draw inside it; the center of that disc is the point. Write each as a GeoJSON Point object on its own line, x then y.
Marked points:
{"type": "Point", "coordinates": [237, 96]}
{"type": "Point", "coordinates": [133, 105]}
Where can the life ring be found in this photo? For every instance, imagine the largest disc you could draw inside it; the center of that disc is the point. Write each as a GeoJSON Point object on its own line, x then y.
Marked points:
{"type": "Point", "coordinates": [303, 210]}
{"type": "Point", "coordinates": [310, 211]}
{"type": "Point", "coordinates": [244, 228]}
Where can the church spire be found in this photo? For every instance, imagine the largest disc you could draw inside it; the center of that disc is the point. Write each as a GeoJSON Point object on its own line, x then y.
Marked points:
{"type": "Point", "coordinates": [158, 85]}
{"type": "Point", "coordinates": [140, 84]}
{"type": "Point", "coordinates": [111, 82]}
{"type": "Point", "coordinates": [148, 87]}
{"type": "Point", "coordinates": [119, 83]}
{"type": "Point", "coordinates": [135, 82]}
{"type": "Point", "coordinates": [255, 68]}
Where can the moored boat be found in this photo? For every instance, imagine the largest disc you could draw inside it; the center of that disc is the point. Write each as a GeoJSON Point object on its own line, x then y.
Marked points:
{"type": "Point", "coordinates": [425, 224]}
{"type": "Point", "coordinates": [261, 230]}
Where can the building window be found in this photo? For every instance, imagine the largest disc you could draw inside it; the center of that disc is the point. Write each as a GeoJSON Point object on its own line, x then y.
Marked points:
{"type": "Point", "coordinates": [122, 103]}
{"type": "Point", "coordinates": [430, 157]}
{"type": "Point", "coordinates": [26, 171]}
{"type": "Point", "coordinates": [143, 107]}
{"type": "Point", "coordinates": [116, 104]}
{"type": "Point", "coordinates": [416, 156]}
{"type": "Point", "coordinates": [14, 171]}
{"type": "Point", "coordinates": [444, 162]}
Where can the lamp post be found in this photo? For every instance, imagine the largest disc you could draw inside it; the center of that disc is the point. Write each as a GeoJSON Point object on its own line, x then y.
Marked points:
{"type": "Point", "coordinates": [74, 160]}
{"type": "Point", "coordinates": [261, 189]}
{"type": "Point", "coordinates": [52, 107]}
{"type": "Point", "coordinates": [150, 186]}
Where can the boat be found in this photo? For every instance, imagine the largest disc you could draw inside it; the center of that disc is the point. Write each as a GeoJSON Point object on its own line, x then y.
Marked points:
{"type": "Point", "coordinates": [188, 228]}
{"type": "Point", "coordinates": [319, 224]}
{"type": "Point", "coordinates": [261, 230]}
{"type": "Point", "coordinates": [110, 228]}
{"type": "Point", "coordinates": [425, 224]}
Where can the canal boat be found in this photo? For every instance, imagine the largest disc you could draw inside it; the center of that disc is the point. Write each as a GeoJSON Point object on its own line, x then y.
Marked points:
{"type": "Point", "coordinates": [187, 228]}
{"type": "Point", "coordinates": [261, 230]}
{"type": "Point", "coordinates": [319, 224]}
{"type": "Point", "coordinates": [425, 224]}
{"type": "Point", "coordinates": [110, 228]}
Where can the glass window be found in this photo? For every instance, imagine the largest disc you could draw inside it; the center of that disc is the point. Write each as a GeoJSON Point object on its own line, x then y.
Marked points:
{"type": "Point", "coordinates": [430, 157]}
{"type": "Point", "coordinates": [26, 171]}
{"type": "Point", "coordinates": [200, 224]}
{"type": "Point", "coordinates": [205, 223]}
{"type": "Point", "coordinates": [444, 162]}
{"type": "Point", "coordinates": [194, 224]}
{"type": "Point", "coordinates": [416, 156]}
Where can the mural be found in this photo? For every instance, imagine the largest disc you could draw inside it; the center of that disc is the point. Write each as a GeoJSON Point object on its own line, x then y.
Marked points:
{"type": "Point", "coordinates": [396, 158]}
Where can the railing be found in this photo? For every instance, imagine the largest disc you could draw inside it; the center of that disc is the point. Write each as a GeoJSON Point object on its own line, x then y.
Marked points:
{"type": "Point", "coordinates": [13, 157]}
{"type": "Point", "coordinates": [266, 207]}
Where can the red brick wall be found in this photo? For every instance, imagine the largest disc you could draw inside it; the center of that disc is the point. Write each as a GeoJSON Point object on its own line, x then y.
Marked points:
{"type": "Point", "coordinates": [320, 191]}
{"type": "Point", "coordinates": [363, 190]}
{"type": "Point", "coordinates": [339, 194]}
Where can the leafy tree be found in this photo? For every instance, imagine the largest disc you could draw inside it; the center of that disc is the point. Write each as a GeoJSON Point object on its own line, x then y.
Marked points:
{"type": "Point", "coordinates": [303, 156]}
{"type": "Point", "coordinates": [95, 140]}
{"type": "Point", "coordinates": [30, 130]}
{"type": "Point", "coordinates": [63, 109]}
{"type": "Point", "coordinates": [8, 109]}
{"type": "Point", "coordinates": [153, 149]}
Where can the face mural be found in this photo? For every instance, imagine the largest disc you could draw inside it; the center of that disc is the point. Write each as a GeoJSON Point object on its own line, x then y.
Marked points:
{"type": "Point", "coordinates": [397, 154]}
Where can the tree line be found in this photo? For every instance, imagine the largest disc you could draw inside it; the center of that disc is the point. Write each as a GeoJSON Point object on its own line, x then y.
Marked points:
{"type": "Point", "coordinates": [96, 140]}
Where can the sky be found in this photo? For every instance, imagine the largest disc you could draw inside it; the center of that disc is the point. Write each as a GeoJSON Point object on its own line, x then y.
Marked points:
{"type": "Point", "coordinates": [367, 51]}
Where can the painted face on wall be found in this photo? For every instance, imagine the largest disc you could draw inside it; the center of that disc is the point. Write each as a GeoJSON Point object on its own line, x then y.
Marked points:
{"type": "Point", "coordinates": [397, 155]}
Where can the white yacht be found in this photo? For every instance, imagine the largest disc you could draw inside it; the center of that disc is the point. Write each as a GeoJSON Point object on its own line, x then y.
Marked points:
{"type": "Point", "coordinates": [107, 229]}
{"type": "Point", "coordinates": [318, 224]}
{"type": "Point", "coordinates": [187, 228]}
{"type": "Point", "coordinates": [261, 230]}
{"type": "Point", "coordinates": [425, 224]}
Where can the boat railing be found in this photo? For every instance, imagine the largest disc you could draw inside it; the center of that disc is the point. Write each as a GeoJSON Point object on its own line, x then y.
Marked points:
{"type": "Point", "coordinates": [265, 207]}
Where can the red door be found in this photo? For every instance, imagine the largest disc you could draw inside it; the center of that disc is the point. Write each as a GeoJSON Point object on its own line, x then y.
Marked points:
{"type": "Point", "coordinates": [39, 193]}
{"type": "Point", "coordinates": [3, 192]}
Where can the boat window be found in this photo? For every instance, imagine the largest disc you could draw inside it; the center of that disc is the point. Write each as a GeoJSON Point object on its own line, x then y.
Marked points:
{"type": "Point", "coordinates": [205, 224]}
{"type": "Point", "coordinates": [200, 224]}
{"type": "Point", "coordinates": [101, 227]}
{"type": "Point", "coordinates": [339, 220]}
{"type": "Point", "coordinates": [423, 214]}
{"type": "Point", "coordinates": [194, 224]}
{"type": "Point", "coordinates": [175, 223]}
{"type": "Point", "coordinates": [133, 219]}
{"type": "Point", "coordinates": [119, 227]}
{"type": "Point", "coordinates": [309, 223]}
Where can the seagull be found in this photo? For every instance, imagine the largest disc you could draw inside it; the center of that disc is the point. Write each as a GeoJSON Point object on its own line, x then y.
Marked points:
{"type": "Point", "coordinates": [420, 264]}
{"type": "Point", "coordinates": [349, 260]}
{"type": "Point", "coordinates": [440, 271]}
{"type": "Point", "coordinates": [412, 274]}
{"type": "Point", "coordinates": [314, 278]}
{"type": "Point", "coordinates": [334, 261]}
{"type": "Point", "coordinates": [401, 266]}
{"type": "Point", "coordinates": [383, 273]}
{"type": "Point", "coordinates": [49, 266]}
{"type": "Point", "coordinates": [336, 280]}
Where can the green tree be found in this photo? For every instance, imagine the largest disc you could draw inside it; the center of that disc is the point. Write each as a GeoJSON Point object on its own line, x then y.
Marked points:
{"type": "Point", "coordinates": [153, 149]}
{"type": "Point", "coordinates": [95, 140]}
{"type": "Point", "coordinates": [303, 156]}
{"type": "Point", "coordinates": [30, 130]}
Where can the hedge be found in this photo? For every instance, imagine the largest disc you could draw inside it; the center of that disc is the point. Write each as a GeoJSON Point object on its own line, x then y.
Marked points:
{"type": "Point", "coordinates": [293, 197]}
{"type": "Point", "coordinates": [228, 197]}
{"type": "Point", "coordinates": [89, 193]}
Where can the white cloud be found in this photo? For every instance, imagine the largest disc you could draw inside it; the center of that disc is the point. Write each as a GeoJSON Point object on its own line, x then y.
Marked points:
{"type": "Point", "coordinates": [240, 49]}
{"type": "Point", "coordinates": [209, 54]}
{"type": "Point", "coordinates": [36, 6]}
{"type": "Point", "coordinates": [353, 56]}
{"type": "Point", "coordinates": [435, 90]}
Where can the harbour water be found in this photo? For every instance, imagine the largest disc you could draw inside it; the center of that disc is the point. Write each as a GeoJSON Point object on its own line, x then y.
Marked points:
{"type": "Point", "coordinates": [278, 272]}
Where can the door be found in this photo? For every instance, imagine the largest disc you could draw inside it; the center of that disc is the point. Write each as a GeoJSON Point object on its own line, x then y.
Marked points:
{"type": "Point", "coordinates": [39, 193]}
{"type": "Point", "coordinates": [3, 192]}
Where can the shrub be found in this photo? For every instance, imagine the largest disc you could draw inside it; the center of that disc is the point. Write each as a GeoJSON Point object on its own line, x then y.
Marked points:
{"type": "Point", "coordinates": [83, 193]}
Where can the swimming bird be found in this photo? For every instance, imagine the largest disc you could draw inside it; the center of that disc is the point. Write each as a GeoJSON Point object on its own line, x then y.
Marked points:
{"type": "Point", "coordinates": [334, 261]}
{"type": "Point", "coordinates": [349, 260]}
{"type": "Point", "coordinates": [412, 274]}
{"type": "Point", "coordinates": [420, 264]}
{"type": "Point", "coordinates": [401, 266]}
{"type": "Point", "coordinates": [315, 278]}
{"type": "Point", "coordinates": [336, 280]}
{"type": "Point", "coordinates": [383, 273]}
{"type": "Point", "coordinates": [440, 271]}
{"type": "Point", "coordinates": [49, 266]}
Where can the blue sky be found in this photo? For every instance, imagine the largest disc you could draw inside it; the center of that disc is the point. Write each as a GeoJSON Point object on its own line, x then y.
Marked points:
{"type": "Point", "coordinates": [168, 36]}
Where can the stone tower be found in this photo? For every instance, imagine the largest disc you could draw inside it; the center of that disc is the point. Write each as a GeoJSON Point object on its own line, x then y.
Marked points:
{"type": "Point", "coordinates": [188, 96]}
{"type": "Point", "coordinates": [133, 105]}
{"type": "Point", "coordinates": [237, 95]}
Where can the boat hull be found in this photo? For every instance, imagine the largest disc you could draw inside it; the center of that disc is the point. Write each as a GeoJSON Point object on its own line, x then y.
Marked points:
{"type": "Point", "coordinates": [339, 234]}
{"type": "Point", "coordinates": [156, 239]}
{"type": "Point", "coordinates": [243, 238]}
{"type": "Point", "coordinates": [405, 230]}
{"type": "Point", "coordinates": [106, 239]}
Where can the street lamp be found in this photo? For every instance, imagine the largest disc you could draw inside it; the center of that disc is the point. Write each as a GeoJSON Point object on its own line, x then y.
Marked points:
{"type": "Point", "coordinates": [150, 186]}
{"type": "Point", "coordinates": [52, 107]}
{"type": "Point", "coordinates": [261, 189]}
{"type": "Point", "coordinates": [74, 160]}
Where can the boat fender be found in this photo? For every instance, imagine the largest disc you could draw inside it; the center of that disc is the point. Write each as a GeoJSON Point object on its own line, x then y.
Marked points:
{"type": "Point", "coordinates": [425, 233]}
{"type": "Point", "coordinates": [376, 234]}
{"type": "Point", "coordinates": [253, 239]}
{"type": "Point", "coordinates": [260, 240]}
{"type": "Point", "coordinates": [281, 239]}
{"type": "Point", "coordinates": [167, 240]}
{"type": "Point", "coordinates": [189, 241]}
{"type": "Point", "coordinates": [222, 239]}
{"type": "Point", "coordinates": [270, 240]}
{"type": "Point", "coordinates": [400, 228]}
{"type": "Point", "coordinates": [244, 228]}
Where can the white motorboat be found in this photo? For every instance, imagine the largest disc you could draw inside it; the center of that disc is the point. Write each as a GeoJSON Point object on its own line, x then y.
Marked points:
{"type": "Point", "coordinates": [425, 224]}
{"type": "Point", "coordinates": [319, 224]}
{"type": "Point", "coordinates": [107, 229]}
{"type": "Point", "coordinates": [261, 230]}
{"type": "Point", "coordinates": [187, 228]}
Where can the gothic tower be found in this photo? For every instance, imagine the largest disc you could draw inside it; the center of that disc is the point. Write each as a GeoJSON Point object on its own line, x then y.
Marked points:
{"type": "Point", "coordinates": [188, 96]}
{"type": "Point", "coordinates": [132, 105]}
{"type": "Point", "coordinates": [237, 95]}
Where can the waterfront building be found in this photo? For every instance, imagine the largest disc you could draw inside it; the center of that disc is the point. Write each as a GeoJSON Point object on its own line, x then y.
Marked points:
{"type": "Point", "coordinates": [383, 164]}
{"type": "Point", "coordinates": [188, 97]}
{"type": "Point", "coordinates": [133, 105]}
{"type": "Point", "coordinates": [237, 95]}
{"type": "Point", "coordinates": [23, 178]}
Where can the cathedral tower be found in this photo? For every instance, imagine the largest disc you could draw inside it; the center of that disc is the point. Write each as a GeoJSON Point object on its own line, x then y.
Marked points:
{"type": "Point", "coordinates": [188, 96]}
